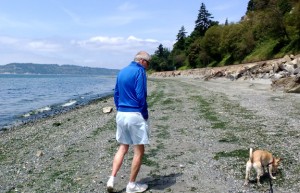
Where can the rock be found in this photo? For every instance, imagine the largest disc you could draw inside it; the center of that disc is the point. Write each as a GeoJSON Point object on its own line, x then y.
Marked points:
{"type": "Point", "coordinates": [288, 84]}
{"type": "Point", "coordinates": [294, 89]}
{"type": "Point", "coordinates": [288, 67]}
{"type": "Point", "coordinates": [39, 153]}
{"type": "Point", "coordinates": [297, 70]}
{"type": "Point", "coordinates": [275, 67]}
{"type": "Point", "coordinates": [286, 58]}
{"type": "Point", "coordinates": [277, 76]}
{"type": "Point", "coordinates": [296, 61]}
{"type": "Point", "coordinates": [107, 109]}
{"type": "Point", "coordinates": [294, 85]}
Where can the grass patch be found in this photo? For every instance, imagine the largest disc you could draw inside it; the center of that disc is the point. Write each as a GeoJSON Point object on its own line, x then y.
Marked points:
{"type": "Point", "coordinates": [66, 178]}
{"type": "Point", "coordinates": [156, 95]}
{"type": "Point", "coordinates": [2, 156]}
{"type": "Point", "coordinates": [72, 150]}
{"type": "Point", "coordinates": [238, 110]}
{"type": "Point", "coordinates": [219, 125]}
{"type": "Point", "coordinates": [164, 118]}
{"type": "Point", "coordinates": [148, 162]}
{"type": "Point", "coordinates": [239, 153]}
{"type": "Point", "coordinates": [183, 131]}
{"type": "Point", "coordinates": [168, 101]}
{"type": "Point", "coordinates": [56, 124]}
{"type": "Point", "coordinates": [151, 154]}
{"type": "Point", "coordinates": [229, 138]}
{"type": "Point", "coordinates": [163, 132]}
{"type": "Point", "coordinates": [207, 112]}
{"type": "Point", "coordinates": [110, 125]}
{"type": "Point", "coordinates": [113, 147]}
{"type": "Point", "coordinates": [172, 157]}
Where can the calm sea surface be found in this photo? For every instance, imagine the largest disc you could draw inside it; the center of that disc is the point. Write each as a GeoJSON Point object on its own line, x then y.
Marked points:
{"type": "Point", "coordinates": [29, 97]}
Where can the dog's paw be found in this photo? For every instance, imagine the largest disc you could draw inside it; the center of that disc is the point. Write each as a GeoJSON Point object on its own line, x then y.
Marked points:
{"type": "Point", "coordinates": [246, 183]}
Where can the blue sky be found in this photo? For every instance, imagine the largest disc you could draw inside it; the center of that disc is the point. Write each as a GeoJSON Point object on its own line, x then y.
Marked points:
{"type": "Point", "coordinates": [98, 33]}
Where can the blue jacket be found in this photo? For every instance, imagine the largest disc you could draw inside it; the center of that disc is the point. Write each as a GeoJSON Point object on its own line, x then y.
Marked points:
{"type": "Point", "coordinates": [131, 90]}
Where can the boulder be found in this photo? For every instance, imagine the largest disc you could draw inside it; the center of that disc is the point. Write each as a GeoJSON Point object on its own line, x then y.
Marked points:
{"type": "Point", "coordinates": [287, 84]}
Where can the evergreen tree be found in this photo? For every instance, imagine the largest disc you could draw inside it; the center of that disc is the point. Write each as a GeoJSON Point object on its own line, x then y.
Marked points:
{"type": "Point", "coordinates": [160, 60]}
{"type": "Point", "coordinates": [250, 6]}
{"type": "Point", "coordinates": [160, 51]}
{"type": "Point", "coordinates": [181, 36]}
{"type": "Point", "coordinates": [203, 21]}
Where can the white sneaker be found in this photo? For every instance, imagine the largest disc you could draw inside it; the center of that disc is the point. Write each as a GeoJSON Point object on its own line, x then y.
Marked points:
{"type": "Point", "coordinates": [136, 188]}
{"type": "Point", "coordinates": [110, 184]}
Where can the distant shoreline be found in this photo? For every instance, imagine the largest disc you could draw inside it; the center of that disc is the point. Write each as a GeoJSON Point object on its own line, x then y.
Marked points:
{"type": "Point", "coordinates": [31, 68]}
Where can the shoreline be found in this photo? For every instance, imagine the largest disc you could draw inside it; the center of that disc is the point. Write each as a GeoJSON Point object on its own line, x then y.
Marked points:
{"type": "Point", "coordinates": [54, 110]}
{"type": "Point", "coordinates": [200, 131]}
{"type": "Point", "coordinates": [29, 97]}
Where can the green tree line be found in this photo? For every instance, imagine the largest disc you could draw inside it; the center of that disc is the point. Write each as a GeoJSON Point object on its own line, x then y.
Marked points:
{"type": "Point", "coordinates": [269, 29]}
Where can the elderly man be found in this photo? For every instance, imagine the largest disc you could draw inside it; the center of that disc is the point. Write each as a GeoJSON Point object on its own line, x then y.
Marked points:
{"type": "Point", "coordinates": [132, 115]}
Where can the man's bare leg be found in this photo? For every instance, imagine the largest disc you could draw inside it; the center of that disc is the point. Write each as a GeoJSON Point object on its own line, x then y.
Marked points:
{"type": "Point", "coordinates": [118, 159]}
{"type": "Point", "coordinates": [136, 162]}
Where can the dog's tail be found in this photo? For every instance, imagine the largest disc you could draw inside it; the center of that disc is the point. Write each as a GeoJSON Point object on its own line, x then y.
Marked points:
{"type": "Point", "coordinates": [250, 154]}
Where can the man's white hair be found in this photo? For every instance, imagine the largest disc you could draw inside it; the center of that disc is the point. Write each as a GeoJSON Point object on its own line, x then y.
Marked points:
{"type": "Point", "coordinates": [142, 55]}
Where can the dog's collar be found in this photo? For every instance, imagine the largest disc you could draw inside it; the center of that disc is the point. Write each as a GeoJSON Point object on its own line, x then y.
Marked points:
{"type": "Point", "coordinates": [273, 160]}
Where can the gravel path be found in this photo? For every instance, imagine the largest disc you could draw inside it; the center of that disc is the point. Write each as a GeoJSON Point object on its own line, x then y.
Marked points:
{"type": "Point", "coordinates": [200, 138]}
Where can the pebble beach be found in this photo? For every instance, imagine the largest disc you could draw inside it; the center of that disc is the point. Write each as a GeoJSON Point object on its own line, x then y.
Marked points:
{"type": "Point", "coordinates": [201, 132]}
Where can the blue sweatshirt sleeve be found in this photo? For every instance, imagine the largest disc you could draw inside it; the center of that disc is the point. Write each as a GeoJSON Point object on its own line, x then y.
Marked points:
{"type": "Point", "coordinates": [141, 92]}
{"type": "Point", "coordinates": [116, 95]}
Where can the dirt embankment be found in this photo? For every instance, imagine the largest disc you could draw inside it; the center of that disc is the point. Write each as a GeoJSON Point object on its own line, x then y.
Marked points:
{"type": "Point", "coordinates": [284, 73]}
{"type": "Point", "coordinates": [201, 132]}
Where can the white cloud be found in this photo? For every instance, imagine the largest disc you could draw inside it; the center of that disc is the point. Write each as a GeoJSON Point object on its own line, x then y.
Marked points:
{"type": "Point", "coordinates": [97, 51]}
{"type": "Point", "coordinates": [115, 43]}
{"type": "Point", "coordinates": [44, 46]}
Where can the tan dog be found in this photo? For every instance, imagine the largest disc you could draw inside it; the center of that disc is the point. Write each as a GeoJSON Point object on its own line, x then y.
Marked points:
{"type": "Point", "coordinates": [260, 159]}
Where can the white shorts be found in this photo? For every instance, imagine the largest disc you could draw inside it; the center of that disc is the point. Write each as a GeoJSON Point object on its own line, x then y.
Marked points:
{"type": "Point", "coordinates": [132, 128]}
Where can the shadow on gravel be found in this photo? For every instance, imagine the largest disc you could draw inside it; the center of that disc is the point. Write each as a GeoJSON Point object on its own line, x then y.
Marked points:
{"type": "Point", "coordinates": [161, 182]}
{"type": "Point", "coordinates": [266, 181]}
{"type": "Point", "coordinates": [158, 182]}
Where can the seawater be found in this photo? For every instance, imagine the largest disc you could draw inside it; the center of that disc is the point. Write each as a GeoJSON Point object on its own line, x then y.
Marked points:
{"type": "Point", "coordinates": [29, 97]}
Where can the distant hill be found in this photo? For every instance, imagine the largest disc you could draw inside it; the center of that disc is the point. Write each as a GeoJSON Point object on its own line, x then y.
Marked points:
{"type": "Point", "coordinates": [30, 68]}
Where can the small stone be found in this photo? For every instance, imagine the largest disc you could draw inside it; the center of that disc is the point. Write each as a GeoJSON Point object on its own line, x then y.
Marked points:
{"type": "Point", "coordinates": [39, 153]}
{"type": "Point", "coordinates": [107, 109]}
{"type": "Point", "coordinates": [77, 179]}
